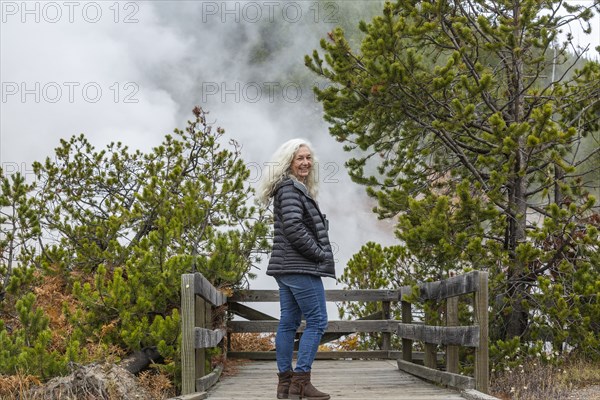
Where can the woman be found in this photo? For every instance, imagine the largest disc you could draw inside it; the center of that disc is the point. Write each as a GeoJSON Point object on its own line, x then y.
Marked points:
{"type": "Point", "coordinates": [301, 256]}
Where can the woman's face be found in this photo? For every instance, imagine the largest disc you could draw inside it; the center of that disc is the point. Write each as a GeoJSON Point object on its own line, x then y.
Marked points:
{"type": "Point", "coordinates": [302, 163]}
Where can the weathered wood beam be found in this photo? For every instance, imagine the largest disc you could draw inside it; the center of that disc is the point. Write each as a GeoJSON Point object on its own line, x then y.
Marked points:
{"type": "Point", "coordinates": [207, 291]}
{"type": "Point", "coordinates": [329, 336]}
{"type": "Point", "coordinates": [188, 353]}
{"type": "Point", "coordinates": [440, 290]}
{"type": "Point", "coordinates": [452, 359]}
{"type": "Point", "coordinates": [482, 363]}
{"type": "Point", "coordinates": [249, 313]}
{"type": "Point", "coordinates": [140, 360]}
{"type": "Point", "coordinates": [321, 355]}
{"type": "Point", "coordinates": [330, 295]}
{"type": "Point", "coordinates": [193, 396]}
{"type": "Point", "coordinates": [333, 326]}
{"type": "Point", "coordinates": [406, 343]}
{"type": "Point", "coordinates": [418, 356]}
{"type": "Point", "coordinates": [207, 381]}
{"type": "Point", "coordinates": [445, 378]}
{"type": "Point", "coordinates": [206, 338]}
{"type": "Point", "coordinates": [444, 335]}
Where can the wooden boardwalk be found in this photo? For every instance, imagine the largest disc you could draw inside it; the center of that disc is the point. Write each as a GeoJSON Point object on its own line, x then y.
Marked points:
{"type": "Point", "coordinates": [342, 379]}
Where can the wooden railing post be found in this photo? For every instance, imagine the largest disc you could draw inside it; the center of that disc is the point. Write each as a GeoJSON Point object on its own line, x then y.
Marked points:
{"type": "Point", "coordinates": [386, 336]}
{"type": "Point", "coordinates": [452, 320]}
{"type": "Point", "coordinates": [198, 297]}
{"type": "Point", "coordinates": [430, 360]}
{"type": "Point", "coordinates": [188, 359]}
{"type": "Point", "coordinates": [482, 374]}
{"type": "Point", "coordinates": [406, 343]}
{"type": "Point", "coordinates": [200, 354]}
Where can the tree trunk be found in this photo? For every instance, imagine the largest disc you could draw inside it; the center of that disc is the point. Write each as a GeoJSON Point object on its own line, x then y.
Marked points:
{"type": "Point", "coordinates": [141, 360]}
{"type": "Point", "coordinates": [516, 319]}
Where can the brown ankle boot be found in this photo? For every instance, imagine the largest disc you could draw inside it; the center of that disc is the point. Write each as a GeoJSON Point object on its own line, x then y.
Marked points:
{"type": "Point", "coordinates": [301, 388]}
{"type": "Point", "coordinates": [285, 378]}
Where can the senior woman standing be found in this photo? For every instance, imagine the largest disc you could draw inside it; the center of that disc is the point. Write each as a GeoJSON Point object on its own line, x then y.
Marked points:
{"type": "Point", "coordinates": [301, 256]}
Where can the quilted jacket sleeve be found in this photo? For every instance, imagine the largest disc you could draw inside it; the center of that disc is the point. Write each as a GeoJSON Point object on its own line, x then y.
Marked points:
{"type": "Point", "coordinates": [294, 226]}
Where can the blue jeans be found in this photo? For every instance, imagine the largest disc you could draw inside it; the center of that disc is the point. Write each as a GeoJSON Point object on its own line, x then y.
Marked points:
{"type": "Point", "coordinates": [300, 294]}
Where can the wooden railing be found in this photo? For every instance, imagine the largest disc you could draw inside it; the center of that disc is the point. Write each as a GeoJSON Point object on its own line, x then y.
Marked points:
{"type": "Point", "coordinates": [473, 283]}
{"type": "Point", "coordinates": [259, 322]}
{"type": "Point", "coordinates": [199, 297]}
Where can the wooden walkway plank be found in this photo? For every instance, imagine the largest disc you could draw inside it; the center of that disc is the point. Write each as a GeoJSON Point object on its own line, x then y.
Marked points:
{"type": "Point", "coordinates": [342, 379]}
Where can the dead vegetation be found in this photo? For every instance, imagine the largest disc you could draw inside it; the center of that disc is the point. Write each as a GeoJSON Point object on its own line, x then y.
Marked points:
{"type": "Point", "coordinates": [99, 381]}
{"type": "Point", "coordinates": [252, 342]}
{"type": "Point", "coordinates": [575, 380]}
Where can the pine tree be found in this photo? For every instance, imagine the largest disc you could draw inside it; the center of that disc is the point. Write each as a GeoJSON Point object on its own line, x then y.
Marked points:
{"type": "Point", "coordinates": [120, 227]}
{"type": "Point", "coordinates": [19, 232]}
{"type": "Point", "coordinates": [460, 131]}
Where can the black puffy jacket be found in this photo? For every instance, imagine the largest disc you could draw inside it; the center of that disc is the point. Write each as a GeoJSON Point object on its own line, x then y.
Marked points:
{"type": "Point", "coordinates": [300, 242]}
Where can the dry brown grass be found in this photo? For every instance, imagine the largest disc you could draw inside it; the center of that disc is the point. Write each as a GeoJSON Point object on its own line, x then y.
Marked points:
{"type": "Point", "coordinates": [51, 296]}
{"type": "Point", "coordinates": [16, 386]}
{"type": "Point", "coordinates": [534, 381]}
{"type": "Point", "coordinates": [580, 374]}
{"type": "Point", "coordinates": [157, 384]}
{"type": "Point", "coordinates": [252, 342]}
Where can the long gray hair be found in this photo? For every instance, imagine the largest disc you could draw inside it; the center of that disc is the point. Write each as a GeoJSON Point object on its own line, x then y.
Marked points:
{"type": "Point", "coordinates": [280, 168]}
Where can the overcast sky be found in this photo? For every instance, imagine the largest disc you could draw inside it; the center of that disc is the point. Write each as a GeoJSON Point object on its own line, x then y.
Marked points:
{"type": "Point", "coordinates": [132, 71]}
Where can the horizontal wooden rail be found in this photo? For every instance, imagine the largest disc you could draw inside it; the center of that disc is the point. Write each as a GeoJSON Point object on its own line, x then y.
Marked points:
{"type": "Point", "coordinates": [204, 289]}
{"type": "Point", "coordinates": [451, 287]}
{"type": "Point", "coordinates": [330, 295]}
{"type": "Point", "coordinates": [206, 338]}
{"type": "Point", "coordinates": [418, 356]}
{"type": "Point", "coordinates": [332, 326]}
{"type": "Point", "coordinates": [259, 322]}
{"type": "Point", "coordinates": [443, 377]}
{"type": "Point", "coordinates": [446, 335]}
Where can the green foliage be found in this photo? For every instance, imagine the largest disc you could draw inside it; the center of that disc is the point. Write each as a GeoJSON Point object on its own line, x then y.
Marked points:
{"type": "Point", "coordinates": [27, 349]}
{"type": "Point", "coordinates": [19, 229]}
{"type": "Point", "coordinates": [461, 129]}
{"type": "Point", "coordinates": [510, 354]}
{"type": "Point", "coordinates": [373, 267]}
{"type": "Point", "coordinates": [122, 226]}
